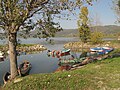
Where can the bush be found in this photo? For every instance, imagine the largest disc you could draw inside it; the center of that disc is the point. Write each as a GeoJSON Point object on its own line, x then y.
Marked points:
{"type": "Point", "coordinates": [96, 37]}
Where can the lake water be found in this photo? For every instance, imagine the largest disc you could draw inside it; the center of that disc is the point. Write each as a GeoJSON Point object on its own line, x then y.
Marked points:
{"type": "Point", "coordinates": [41, 63]}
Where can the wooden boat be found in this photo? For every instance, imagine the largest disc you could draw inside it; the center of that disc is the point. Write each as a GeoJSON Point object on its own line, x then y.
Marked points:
{"type": "Point", "coordinates": [65, 52]}
{"type": "Point", "coordinates": [24, 68]}
{"type": "Point", "coordinates": [63, 68]}
{"type": "Point", "coordinates": [57, 53]}
{"type": "Point", "coordinates": [6, 77]}
{"type": "Point", "coordinates": [73, 61]}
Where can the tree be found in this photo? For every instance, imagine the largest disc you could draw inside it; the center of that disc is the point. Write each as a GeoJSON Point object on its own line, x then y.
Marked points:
{"type": "Point", "coordinates": [96, 37]}
{"type": "Point", "coordinates": [116, 7]}
{"type": "Point", "coordinates": [83, 28]}
{"type": "Point", "coordinates": [19, 16]}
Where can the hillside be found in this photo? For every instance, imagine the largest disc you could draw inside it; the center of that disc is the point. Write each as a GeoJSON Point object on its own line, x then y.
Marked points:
{"type": "Point", "coordinates": [100, 75]}
{"type": "Point", "coordinates": [110, 29]}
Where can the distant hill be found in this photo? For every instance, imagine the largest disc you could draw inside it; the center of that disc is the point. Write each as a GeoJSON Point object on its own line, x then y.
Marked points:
{"type": "Point", "coordinates": [110, 29]}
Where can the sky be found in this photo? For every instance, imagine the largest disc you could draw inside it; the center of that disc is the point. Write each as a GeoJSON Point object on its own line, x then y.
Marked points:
{"type": "Point", "coordinates": [102, 10]}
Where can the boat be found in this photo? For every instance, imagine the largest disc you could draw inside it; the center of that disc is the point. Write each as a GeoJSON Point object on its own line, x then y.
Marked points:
{"type": "Point", "coordinates": [58, 53]}
{"type": "Point", "coordinates": [6, 77]}
{"type": "Point", "coordinates": [24, 68]}
{"type": "Point", "coordinates": [69, 61]}
{"type": "Point", "coordinates": [65, 52]}
{"type": "Point", "coordinates": [101, 50]}
{"type": "Point", "coordinates": [2, 56]}
{"type": "Point", "coordinates": [63, 68]}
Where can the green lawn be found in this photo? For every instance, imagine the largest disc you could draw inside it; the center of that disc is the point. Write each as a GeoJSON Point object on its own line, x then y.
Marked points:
{"type": "Point", "coordinates": [100, 75]}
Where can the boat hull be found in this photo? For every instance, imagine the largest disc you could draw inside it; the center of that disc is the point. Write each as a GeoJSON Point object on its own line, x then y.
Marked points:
{"type": "Point", "coordinates": [25, 70]}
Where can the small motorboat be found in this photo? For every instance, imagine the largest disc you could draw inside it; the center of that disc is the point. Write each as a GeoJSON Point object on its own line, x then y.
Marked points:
{"type": "Point", "coordinates": [6, 77]}
{"type": "Point", "coordinates": [24, 68]}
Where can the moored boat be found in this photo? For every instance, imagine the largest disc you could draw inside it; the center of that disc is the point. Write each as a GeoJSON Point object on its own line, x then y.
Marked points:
{"type": "Point", "coordinates": [73, 61]}
{"type": "Point", "coordinates": [58, 53]}
{"type": "Point", "coordinates": [65, 52]}
{"type": "Point", "coordinates": [2, 56]}
{"type": "Point", "coordinates": [24, 68]}
{"type": "Point", "coordinates": [63, 68]}
{"type": "Point", "coordinates": [101, 50]}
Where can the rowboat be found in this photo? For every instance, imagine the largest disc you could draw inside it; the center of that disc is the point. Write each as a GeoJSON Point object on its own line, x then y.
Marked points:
{"type": "Point", "coordinates": [65, 52]}
{"type": "Point", "coordinates": [57, 53]}
{"type": "Point", "coordinates": [73, 61]}
{"type": "Point", "coordinates": [24, 68]}
{"type": "Point", "coordinates": [63, 68]}
{"type": "Point", "coordinates": [101, 50]}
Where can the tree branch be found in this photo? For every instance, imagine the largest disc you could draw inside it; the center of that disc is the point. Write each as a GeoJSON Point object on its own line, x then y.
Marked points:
{"type": "Point", "coordinates": [30, 10]}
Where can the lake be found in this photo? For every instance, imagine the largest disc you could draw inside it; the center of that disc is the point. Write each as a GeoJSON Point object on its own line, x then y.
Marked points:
{"type": "Point", "coordinates": [41, 63]}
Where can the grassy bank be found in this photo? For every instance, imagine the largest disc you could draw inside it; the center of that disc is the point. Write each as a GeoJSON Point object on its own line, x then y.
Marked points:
{"type": "Point", "coordinates": [101, 75]}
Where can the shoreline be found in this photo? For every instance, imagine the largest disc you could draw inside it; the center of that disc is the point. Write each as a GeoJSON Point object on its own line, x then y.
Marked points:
{"type": "Point", "coordinates": [24, 48]}
{"type": "Point", "coordinates": [77, 47]}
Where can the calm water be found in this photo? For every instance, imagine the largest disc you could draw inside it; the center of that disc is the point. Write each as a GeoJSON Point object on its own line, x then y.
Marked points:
{"type": "Point", "coordinates": [41, 63]}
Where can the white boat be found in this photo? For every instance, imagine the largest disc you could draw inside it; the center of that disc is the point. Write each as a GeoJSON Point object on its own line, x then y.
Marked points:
{"type": "Point", "coordinates": [1, 54]}
{"type": "Point", "coordinates": [102, 50]}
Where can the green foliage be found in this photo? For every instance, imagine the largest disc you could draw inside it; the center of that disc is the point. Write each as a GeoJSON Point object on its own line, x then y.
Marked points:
{"type": "Point", "coordinates": [83, 27]}
{"type": "Point", "coordinates": [95, 76]}
{"type": "Point", "coordinates": [115, 42]}
{"type": "Point", "coordinates": [115, 51]}
{"type": "Point", "coordinates": [96, 37]}
{"type": "Point", "coordinates": [116, 7]}
{"type": "Point", "coordinates": [28, 15]}
{"type": "Point", "coordinates": [23, 16]}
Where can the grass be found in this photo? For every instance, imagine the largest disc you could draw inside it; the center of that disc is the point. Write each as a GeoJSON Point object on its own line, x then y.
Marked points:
{"type": "Point", "coordinates": [100, 75]}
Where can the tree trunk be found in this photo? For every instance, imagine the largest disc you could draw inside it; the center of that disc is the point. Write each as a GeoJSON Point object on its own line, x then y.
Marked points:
{"type": "Point", "coordinates": [12, 54]}
{"type": "Point", "coordinates": [82, 46]}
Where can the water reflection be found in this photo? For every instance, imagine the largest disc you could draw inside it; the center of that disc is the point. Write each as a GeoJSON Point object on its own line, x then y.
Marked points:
{"type": "Point", "coordinates": [41, 63]}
